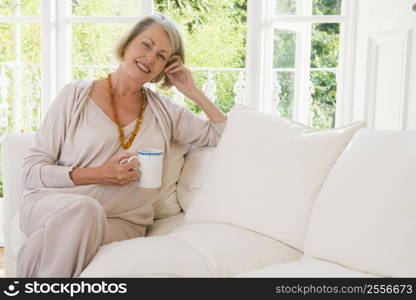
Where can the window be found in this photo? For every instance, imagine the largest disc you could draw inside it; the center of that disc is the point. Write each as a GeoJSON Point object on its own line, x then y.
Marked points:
{"type": "Point", "coordinates": [95, 28]}
{"type": "Point", "coordinates": [215, 42]}
{"type": "Point", "coordinates": [20, 70]}
{"type": "Point", "coordinates": [218, 70]}
{"type": "Point", "coordinates": [295, 63]}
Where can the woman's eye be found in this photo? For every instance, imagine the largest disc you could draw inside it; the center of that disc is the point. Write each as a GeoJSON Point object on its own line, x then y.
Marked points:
{"type": "Point", "coordinates": [162, 57]}
{"type": "Point", "coordinates": [146, 45]}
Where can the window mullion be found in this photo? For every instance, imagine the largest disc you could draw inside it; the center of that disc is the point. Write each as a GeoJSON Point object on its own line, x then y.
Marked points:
{"type": "Point", "coordinates": [63, 47]}
{"type": "Point", "coordinates": [259, 56]}
{"type": "Point", "coordinates": [73, 20]}
{"type": "Point", "coordinates": [17, 74]}
{"type": "Point", "coordinates": [266, 98]}
{"type": "Point", "coordinates": [48, 19]}
{"type": "Point", "coordinates": [253, 55]}
{"type": "Point", "coordinates": [302, 77]}
{"type": "Point", "coordinates": [302, 82]}
{"type": "Point", "coordinates": [146, 7]}
{"type": "Point", "coordinates": [308, 19]}
{"type": "Point", "coordinates": [346, 63]}
{"type": "Point", "coordinates": [19, 19]}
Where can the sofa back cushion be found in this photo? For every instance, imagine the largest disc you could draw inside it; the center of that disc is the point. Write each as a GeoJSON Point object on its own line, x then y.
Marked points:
{"type": "Point", "coordinates": [167, 204]}
{"type": "Point", "coordinates": [365, 214]}
{"type": "Point", "coordinates": [266, 173]}
{"type": "Point", "coordinates": [197, 161]}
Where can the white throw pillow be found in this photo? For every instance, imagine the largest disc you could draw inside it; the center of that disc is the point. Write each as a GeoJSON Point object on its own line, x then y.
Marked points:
{"type": "Point", "coordinates": [167, 203]}
{"type": "Point", "coordinates": [365, 214]}
{"type": "Point", "coordinates": [197, 161]}
{"type": "Point", "coordinates": [266, 174]}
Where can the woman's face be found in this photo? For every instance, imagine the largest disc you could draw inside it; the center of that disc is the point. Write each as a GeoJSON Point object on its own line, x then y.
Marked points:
{"type": "Point", "coordinates": [146, 56]}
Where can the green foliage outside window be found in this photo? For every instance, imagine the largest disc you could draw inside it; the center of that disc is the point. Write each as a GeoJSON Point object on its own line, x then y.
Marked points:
{"type": "Point", "coordinates": [325, 46]}
{"type": "Point", "coordinates": [215, 36]}
{"type": "Point", "coordinates": [324, 54]}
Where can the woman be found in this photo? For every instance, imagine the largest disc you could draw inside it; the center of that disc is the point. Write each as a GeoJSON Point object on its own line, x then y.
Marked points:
{"type": "Point", "coordinates": [78, 195]}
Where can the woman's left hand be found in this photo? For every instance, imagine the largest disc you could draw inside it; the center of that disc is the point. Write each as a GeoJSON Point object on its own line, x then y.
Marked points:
{"type": "Point", "coordinates": [181, 77]}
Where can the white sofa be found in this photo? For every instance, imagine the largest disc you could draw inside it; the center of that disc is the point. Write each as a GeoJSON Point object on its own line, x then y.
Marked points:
{"type": "Point", "coordinates": [274, 199]}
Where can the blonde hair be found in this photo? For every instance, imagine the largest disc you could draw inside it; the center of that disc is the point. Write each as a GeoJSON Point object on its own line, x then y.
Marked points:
{"type": "Point", "coordinates": [171, 29]}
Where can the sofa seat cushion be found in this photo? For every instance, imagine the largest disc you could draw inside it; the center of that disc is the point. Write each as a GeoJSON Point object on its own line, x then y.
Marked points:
{"type": "Point", "coordinates": [18, 238]}
{"type": "Point", "coordinates": [191, 250]}
{"type": "Point", "coordinates": [165, 225]}
{"type": "Point", "coordinates": [306, 267]}
{"type": "Point", "coordinates": [159, 227]}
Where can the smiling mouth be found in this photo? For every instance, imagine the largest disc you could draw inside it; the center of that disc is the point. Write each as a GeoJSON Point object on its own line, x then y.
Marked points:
{"type": "Point", "coordinates": [142, 67]}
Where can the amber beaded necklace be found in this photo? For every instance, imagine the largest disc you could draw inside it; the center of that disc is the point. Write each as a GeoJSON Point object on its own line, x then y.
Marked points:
{"type": "Point", "coordinates": [117, 119]}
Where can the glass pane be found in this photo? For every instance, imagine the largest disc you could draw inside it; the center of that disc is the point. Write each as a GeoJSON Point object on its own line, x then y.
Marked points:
{"type": "Point", "coordinates": [225, 81]}
{"type": "Point", "coordinates": [325, 45]}
{"type": "Point", "coordinates": [307, 7]}
{"type": "Point", "coordinates": [20, 99]}
{"type": "Point", "coordinates": [20, 42]}
{"type": "Point", "coordinates": [284, 51]}
{"type": "Point", "coordinates": [323, 92]}
{"type": "Point", "coordinates": [286, 7]}
{"type": "Point", "coordinates": [93, 48]}
{"type": "Point", "coordinates": [20, 77]}
{"type": "Point", "coordinates": [215, 35]}
{"type": "Point", "coordinates": [7, 42]}
{"type": "Point", "coordinates": [106, 7]}
{"type": "Point", "coordinates": [326, 7]}
{"type": "Point", "coordinates": [225, 89]}
{"type": "Point", "coordinates": [284, 88]}
{"type": "Point", "coordinates": [20, 7]}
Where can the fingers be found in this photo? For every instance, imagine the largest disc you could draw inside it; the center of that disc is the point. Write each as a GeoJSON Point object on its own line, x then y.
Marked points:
{"type": "Point", "coordinates": [129, 166]}
{"type": "Point", "coordinates": [133, 165]}
{"type": "Point", "coordinates": [126, 177]}
{"type": "Point", "coordinates": [122, 157]}
{"type": "Point", "coordinates": [128, 171]}
{"type": "Point", "coordinates": [133, 176]}
{"type": "Point", "coordinates": [172, 66]}
{"type": "Point", "coordinates": [175, 58]}
{"type": "Point", "coordinates": [176, 62]}
{"type": "Point", "coordinates": [174, 70]}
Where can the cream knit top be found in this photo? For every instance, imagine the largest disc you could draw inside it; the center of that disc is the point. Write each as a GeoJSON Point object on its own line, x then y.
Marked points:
{"type": "Point", "coordinates": [77, 133]}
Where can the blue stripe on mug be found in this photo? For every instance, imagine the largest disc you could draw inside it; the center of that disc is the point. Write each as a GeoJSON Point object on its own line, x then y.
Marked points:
{"type": "Point", "coordinates": [150, 153]}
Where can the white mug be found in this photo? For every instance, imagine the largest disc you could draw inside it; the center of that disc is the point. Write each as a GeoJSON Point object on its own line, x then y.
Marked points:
{"type": "Point", "coordinates": [150, 166]}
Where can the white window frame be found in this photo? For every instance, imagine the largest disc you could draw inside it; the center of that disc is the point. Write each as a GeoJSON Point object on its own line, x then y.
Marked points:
{"type": "Point", "coordinates": [261, 22]}
{"type": "Point", "coordinates": [56, 21]}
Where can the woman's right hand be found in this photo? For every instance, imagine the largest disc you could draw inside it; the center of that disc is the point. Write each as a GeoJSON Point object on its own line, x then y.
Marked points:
{"type": "Point", "coordinates": [116, 173]}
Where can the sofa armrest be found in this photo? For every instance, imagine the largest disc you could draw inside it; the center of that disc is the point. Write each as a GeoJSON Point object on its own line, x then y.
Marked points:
{"type": "Point", "coordinates": [15, 147]}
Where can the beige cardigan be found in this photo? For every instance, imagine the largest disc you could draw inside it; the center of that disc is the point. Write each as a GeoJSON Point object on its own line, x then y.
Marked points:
{"type": "Point", "coordinates": [73, 136]}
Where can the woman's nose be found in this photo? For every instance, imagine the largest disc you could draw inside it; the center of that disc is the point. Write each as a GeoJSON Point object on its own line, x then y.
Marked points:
{"type": "Point", "coordinates": [150, 58]}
